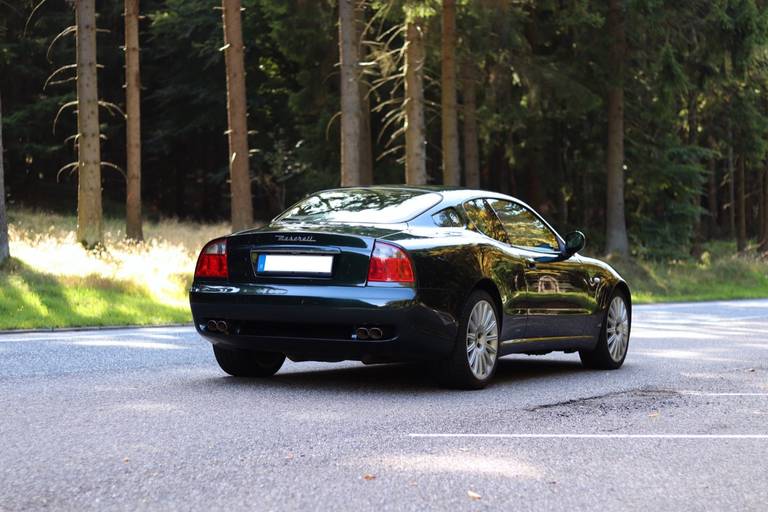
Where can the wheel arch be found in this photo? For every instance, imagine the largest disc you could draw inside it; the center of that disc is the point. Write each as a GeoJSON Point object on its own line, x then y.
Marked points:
{"type": "Point", "coordinates": [623, 287]}
{"type": "Point", "coordinates": [487, 285]}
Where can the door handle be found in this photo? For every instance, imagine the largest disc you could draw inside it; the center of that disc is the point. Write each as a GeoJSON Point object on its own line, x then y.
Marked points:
{"type": "Point", "coordinates": [530, 263]}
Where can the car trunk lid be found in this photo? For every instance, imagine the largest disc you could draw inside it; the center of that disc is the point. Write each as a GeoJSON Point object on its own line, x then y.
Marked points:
{"type": "Point", "coordinates": [289, 254]}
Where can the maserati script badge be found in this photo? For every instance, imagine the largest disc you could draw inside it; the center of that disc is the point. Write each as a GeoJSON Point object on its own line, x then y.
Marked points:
{"type": "Point", "coordinates": [295, 238]}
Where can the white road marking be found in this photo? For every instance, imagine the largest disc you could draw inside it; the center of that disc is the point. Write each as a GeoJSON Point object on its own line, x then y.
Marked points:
{"type": "Point", "coordinates": [596, 436]}
{"type": "Point", "coordinates": [703, 393]}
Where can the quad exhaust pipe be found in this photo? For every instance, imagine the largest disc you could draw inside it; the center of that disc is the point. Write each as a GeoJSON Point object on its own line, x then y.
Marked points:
{"type": "Point", "coordinates": [369, 333]}
{"type": "Point", "coordinates": [217, 326]}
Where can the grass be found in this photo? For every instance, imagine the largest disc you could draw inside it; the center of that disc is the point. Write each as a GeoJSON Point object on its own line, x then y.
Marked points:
{"type": "Point", "coordinates": [720, 274]}
{"type": "Point", "coordinates": [51, 281]}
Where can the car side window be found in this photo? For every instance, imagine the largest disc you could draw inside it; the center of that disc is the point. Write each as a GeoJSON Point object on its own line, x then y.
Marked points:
{"type": "Point", "coordinates": [448, 218]}
{"type": "Point", "coordinates": [523, 227]}
{"type": "Point", "coordinates": [484, 219]}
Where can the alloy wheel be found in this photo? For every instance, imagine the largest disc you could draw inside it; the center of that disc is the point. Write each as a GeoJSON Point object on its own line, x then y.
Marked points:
{"type": "Point", "coordinates": [617, 329]}
{"type": "Point", "coordinates": [482, 339]}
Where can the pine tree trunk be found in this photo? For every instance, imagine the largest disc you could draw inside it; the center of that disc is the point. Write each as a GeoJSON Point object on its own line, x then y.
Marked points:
{"type": "Point", "coordinates": [762, 211]}
{"type": "Point", "coordinates": [616, 227]}
{"type": "Point", "coordinates": [712, 198]}
{"type": "Point", "coordinates": [415, 132]}
{"type": "Point", "coordinates": [731, 184]}
{"type": "Point", "coordinates": [4, 248]}
{"type": "Point", "coordinates": [741, 208]}
{"type": "Point", "coordinates": [133, 228]}
{"type": "Point", "coordinates": [89, 213]}
{"type": "Point", "coordinates": [763, 249]}
{"type": "Point", "coordinates": [450, 133]}
{"type": "Point", "coordinates": [693, 132]}
{"type": "Point", "coordinates": [471, 151]}
{"type": "Point", "coordinates": [350, 94]}
{"type": "Point", "coordinates": [366, 143]}
{"type": "Point", "coordinates": [240, 178]}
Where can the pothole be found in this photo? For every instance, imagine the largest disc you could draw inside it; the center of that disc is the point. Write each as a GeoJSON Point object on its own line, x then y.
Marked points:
{"type": "Point", "coordinates": [624, 401]}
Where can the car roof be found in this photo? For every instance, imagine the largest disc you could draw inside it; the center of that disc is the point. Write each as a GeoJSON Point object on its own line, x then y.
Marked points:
{"type": "Point", "coordinates": [449, 193]}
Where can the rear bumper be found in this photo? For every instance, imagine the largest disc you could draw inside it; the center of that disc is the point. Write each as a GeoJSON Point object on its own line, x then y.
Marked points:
{"type": "Point", "coordinates": [318, 322]}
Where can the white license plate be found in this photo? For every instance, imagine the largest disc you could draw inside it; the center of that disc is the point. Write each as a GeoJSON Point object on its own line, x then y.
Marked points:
{"type": "Point", "coordinates": [294, 264]}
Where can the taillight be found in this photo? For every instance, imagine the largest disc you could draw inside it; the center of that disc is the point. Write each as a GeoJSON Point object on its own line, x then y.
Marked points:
{"type": "Point", "coordinates": [213, 260]}
{"type": "Point", "coordinates": [389, 264]}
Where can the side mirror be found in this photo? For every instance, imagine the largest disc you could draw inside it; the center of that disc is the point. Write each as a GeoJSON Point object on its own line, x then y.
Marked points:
{"type": "Point", "coordinates": [574, 242]}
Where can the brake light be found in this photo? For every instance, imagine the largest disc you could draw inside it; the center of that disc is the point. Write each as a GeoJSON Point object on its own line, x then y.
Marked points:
{"type": "Point", "coordinates": [389, 264]}
{"type": "Point", "coordinates": [213, 260]}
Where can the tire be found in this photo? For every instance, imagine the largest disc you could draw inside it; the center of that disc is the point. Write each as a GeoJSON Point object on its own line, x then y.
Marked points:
{"type": "Point", "coordinates": [243, 363]}
{"type": "Point", "coordinates": [475, 355]}
{"type": "Point", "coordinates": [610, 352]}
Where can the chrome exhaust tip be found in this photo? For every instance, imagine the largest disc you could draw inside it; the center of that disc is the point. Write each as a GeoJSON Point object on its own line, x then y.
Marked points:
{"type": "Point", "coordinates": [375, 333]}
{"type": "Point", "coordinates": [222, 326]}
{"type": "Point", "coordinates": [361, 333]}
{"type": "Point", "coordinates": [211, 326]}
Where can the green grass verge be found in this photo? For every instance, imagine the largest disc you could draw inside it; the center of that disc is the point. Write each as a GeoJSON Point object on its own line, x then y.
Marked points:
{"type": "Point", "coordinates": [31, 299]}
{"type": "Point", "coordinates": [719, 274]}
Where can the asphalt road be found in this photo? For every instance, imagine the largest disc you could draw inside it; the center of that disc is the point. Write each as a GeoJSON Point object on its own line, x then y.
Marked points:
{"type": "Point", "coordinates": [143, 419]}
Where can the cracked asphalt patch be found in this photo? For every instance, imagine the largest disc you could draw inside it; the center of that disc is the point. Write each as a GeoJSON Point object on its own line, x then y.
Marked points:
{"type": "Point", "coordinates": [143, 419]}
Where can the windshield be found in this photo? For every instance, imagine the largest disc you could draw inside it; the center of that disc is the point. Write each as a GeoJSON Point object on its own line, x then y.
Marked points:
{"type": "Point", "coordinates": [361, 206]}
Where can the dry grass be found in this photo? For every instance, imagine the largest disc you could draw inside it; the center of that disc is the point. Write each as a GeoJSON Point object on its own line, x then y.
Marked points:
{"type": "Point", "coordinates": [45, 252]}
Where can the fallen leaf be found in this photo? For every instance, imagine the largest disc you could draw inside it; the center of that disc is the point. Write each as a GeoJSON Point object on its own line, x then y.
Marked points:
{"type": "Point", "coordinates": [126, 459]}
{"type": "Point", "coordinates": [473, 495]}
{"type": "Point", "coordinates": [369, 477]}
{"type": "Point", "coordinates": [654, 414]}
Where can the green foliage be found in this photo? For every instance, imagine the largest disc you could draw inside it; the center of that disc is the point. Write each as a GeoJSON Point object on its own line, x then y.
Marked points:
{"type": "Point", "coordinates": [694, 87]}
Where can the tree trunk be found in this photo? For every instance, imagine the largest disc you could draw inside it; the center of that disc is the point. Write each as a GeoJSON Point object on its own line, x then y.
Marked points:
{"type": "Point", "coordinates": [415, 132]}
{"type": "Point", "coordinates": [4, 249]}
{"type": "Point", "coordinates": [240, 179]}
{"type": "Point", "coordinates": [471, 152]}
{"type": "Point", "coordinates": [88, 143]}
{"type": "Point", "coordinates": [741, 208]}
{"type": "Point", "coordinates": [712, 198]}
{"type": "Point", "coordinates": [616, 226]}
{"type": "Point", "coordinates": [693, 133]}
{"type": "Point", "coordinates": [731, 184]}
{"type": "Point", "coordinates": [366, 143]}
{"type": "Point", "coordinates": [450, 133]}
{"type": "Point", "coordinates": [350, 94]}
{"type": "Point", "coordinates": [763, 249]}
{"type": "Point", "coordinates": [133, 227]}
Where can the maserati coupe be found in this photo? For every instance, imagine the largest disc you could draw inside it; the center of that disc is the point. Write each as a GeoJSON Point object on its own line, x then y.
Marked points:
{"type": "Point", "coordinates": [452, 278]}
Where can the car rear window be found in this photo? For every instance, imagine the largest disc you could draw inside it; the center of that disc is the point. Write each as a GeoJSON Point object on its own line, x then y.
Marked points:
{"type": "Point", "coordinates": [366, 206]}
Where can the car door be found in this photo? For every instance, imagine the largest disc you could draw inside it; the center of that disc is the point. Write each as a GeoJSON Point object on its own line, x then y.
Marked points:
{"type": "Point", "coordinates": [505, 263]}
{"type": "Point", "coordinates": [558, 291]}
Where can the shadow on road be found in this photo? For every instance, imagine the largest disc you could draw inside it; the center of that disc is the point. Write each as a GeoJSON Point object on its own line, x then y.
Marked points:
{"type": "Point", "coordinates": [399, 378]}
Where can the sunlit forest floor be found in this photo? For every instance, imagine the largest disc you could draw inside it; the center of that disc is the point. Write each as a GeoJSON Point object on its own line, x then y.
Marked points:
{"type": "Point", "coordinates": [51, 281]}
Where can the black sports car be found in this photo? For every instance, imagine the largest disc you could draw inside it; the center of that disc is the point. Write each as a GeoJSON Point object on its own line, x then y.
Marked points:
{"type": "Point", "coordinates": [395, 273]}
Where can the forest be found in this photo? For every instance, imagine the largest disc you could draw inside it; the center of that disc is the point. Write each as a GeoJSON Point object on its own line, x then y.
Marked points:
{"type": "Point", "coordinates": [641, 122]}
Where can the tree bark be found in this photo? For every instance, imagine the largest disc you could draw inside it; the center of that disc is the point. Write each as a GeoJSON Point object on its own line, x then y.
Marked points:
{"type": "Point", "coordinates": [693, 133]}
{"type": "Point", "coordinates": [237, 112]}
{"type": "Point", "coordinates": [471, 151]}
{"type": "Point", "coordinates": [763, 248]}
{"type": "Point", "coordinates": [731, 184]}
{"type": "Point", "coordinates": [741, 208]}
{"type": "Point", "coordinates": [712, 198]}
{"type": "Point", "coordinates": [4, 247]}
{"type": "Point", "coordinates": [450, 132]}
{"type": "Point", "coordinates": [89, 212]}
{"type": "Point", "coordinates": [366, 143]}
{"type": "Point", "coordinates": [350, 94]}
{"type": "Point", "coordinates": [133, 228]}
{"type": "Point", "coordinates": [415, 132]}
{"type": "Point", "coordinates": [616, 226]}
